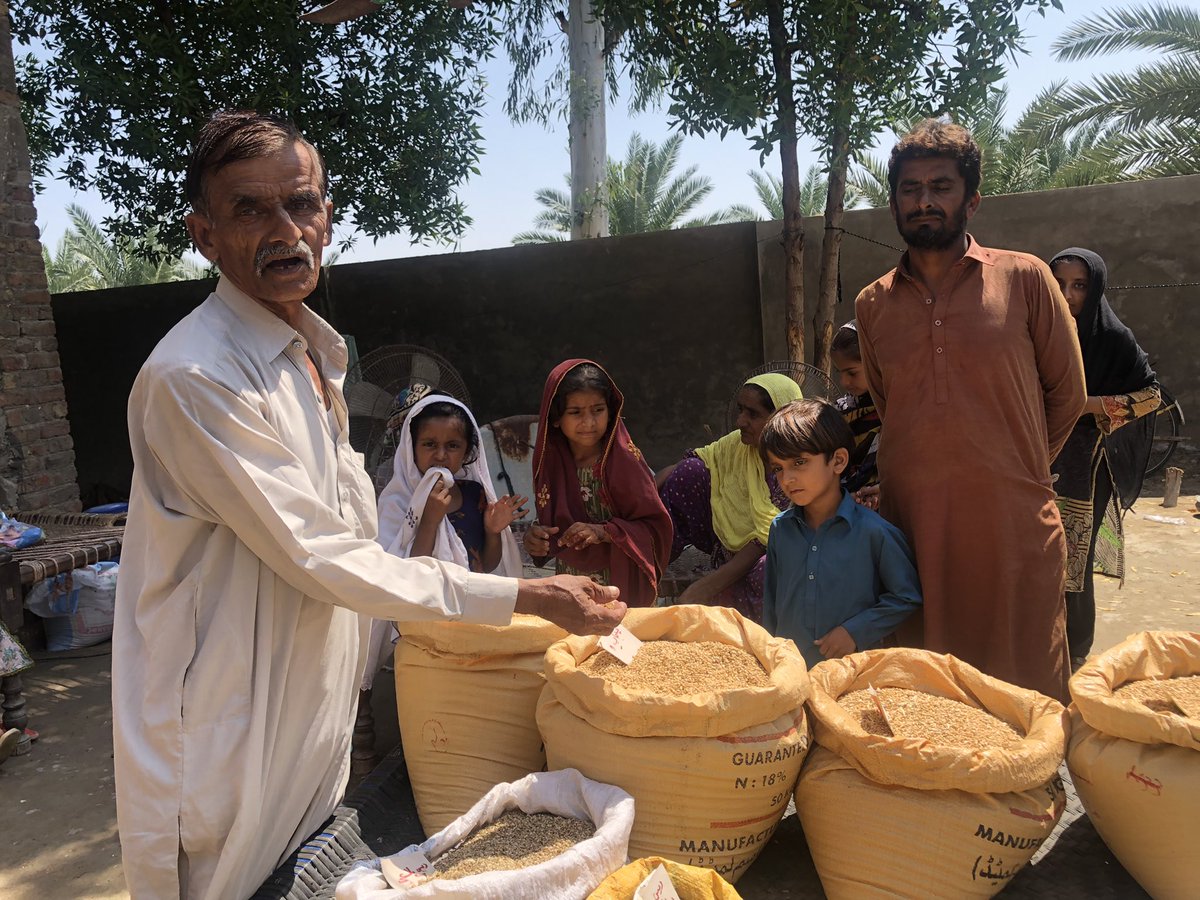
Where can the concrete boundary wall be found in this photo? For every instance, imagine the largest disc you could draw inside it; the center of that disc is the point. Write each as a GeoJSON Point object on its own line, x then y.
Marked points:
{"type": "Point", "coordinates": [677, 317]}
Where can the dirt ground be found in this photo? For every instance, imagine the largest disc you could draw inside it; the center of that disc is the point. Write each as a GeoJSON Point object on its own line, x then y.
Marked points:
{"type": "Point", "coordinates": [58, 803]}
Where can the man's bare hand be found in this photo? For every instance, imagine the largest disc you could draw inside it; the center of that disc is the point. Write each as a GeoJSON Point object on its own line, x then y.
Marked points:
{"type": "Point", "coordinates": [572, 602]}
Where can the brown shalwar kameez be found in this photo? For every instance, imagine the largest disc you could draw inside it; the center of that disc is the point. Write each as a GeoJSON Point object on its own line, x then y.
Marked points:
{"type": "Point", "coordinates": [978, 381]}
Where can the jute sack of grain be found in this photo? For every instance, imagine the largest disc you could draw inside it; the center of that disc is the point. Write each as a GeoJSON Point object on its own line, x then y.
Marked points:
{"type": "Point", "coordinates": [571, 875]}
{"type": "Point", "coordinates": [900, 817]}
{"type": "Point", "coordinates": [690, 882]}
{"type": "Point", "coordinates": [465, 699]}
{"type": "Point", "coordinates": [1137, 771]}
{"type": "Point", "coordinates": [711, 772]}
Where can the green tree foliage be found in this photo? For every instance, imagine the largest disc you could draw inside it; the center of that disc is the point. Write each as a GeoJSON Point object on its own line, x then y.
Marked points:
{"type": "Point", "coordinates": [1018, 159]}
{"type": "Point", "coordinates": [86, 259]}
{"type": "Point", "coordinates": [643, 194]}
{"type": "Point", "coordinates": [114, 92]}
{"type": "Point", "coordinates": [1153, 112]}
{"type": "Point", "coordinates": [833, 70]}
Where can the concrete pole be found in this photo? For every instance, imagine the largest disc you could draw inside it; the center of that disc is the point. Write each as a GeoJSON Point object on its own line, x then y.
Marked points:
{"type": "Point", "coordinates": [585, 41]}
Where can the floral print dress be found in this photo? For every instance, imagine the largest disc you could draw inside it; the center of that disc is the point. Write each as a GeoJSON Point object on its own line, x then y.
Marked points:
{"type": "Point", "coordinates": [589, 491]}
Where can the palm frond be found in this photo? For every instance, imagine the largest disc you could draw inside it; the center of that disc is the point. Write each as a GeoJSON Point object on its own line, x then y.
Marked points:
{"type": "Point", "coordinates": [538, 237]}
{"type": "Point", "coordinates": [1165, 27]}
{"type": "Point", "coordinates": [769, 189]}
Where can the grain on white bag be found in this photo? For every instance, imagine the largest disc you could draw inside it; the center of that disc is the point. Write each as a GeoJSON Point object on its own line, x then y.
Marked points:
{"type": "Point", "coordinates": [516, 840]}
{"type": "Point", "coordinates": [924, 716]}
{"type": "Point", "coordinates": [1166, 695]}
{"type": "Point", "coordinates": [679, 668]}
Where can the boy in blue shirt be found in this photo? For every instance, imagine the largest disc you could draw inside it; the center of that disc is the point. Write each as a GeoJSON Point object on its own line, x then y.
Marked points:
{"type": "Point", "coordinates": [839, 578]}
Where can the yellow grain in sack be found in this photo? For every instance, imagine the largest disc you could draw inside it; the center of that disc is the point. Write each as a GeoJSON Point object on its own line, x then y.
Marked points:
{"type": "Point", "coordinates": [900, 817]}
{"type": "Point", "coordinates": [690, 882]}
{"type": "Point", "coordinates": [465, 698]}
{"type": "Point", "coordinates": [1137, 770]}
{"type": "Point", "coordinates": [711, 773]}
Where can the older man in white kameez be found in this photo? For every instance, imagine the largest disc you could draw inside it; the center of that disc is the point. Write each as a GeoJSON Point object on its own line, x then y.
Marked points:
{"type": "Point", "coordinates": [249, 573]}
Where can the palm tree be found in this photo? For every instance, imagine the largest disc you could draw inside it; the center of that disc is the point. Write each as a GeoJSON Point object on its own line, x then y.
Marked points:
{"type": "Point", "coordinates": [641, 195]}
{"type": "Point", "coordinates": [86, 259]}
{"type": "Point", "coordinates": [813, 190]}
{"type": "Point", "coordinates": [1154, 111]}
{"type": "Point", "coordinates": [1018, 159]}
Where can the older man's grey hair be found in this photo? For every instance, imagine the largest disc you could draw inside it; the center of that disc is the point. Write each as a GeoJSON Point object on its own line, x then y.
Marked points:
{"type": "Point", "coordinates": [233, 135]}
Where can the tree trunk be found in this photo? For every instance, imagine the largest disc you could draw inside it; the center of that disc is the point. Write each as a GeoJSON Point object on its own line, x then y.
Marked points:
{"type": "Point", "coordinates": [793, 221]}
{"type": "Point", "coordinates": [831, 246]}
{"type": "Point", "coordinates": [835, 197]}
{"type": "Point", "coordinates": [585, 49]}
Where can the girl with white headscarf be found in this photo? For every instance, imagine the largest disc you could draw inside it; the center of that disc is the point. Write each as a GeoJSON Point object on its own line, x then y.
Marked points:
{"type": "Point", "coordinates": [440, 502]}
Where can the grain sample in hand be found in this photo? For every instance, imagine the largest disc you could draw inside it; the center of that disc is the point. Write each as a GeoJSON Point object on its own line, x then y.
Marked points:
{"type": "Point", "coordinates": [680, 669]}
{"type": "Point", "coordinates": [516, 840]}
{"type": "Point", "coordinates": [938, 720]}
{"type": "Point", "coordinates": [1175, 696]}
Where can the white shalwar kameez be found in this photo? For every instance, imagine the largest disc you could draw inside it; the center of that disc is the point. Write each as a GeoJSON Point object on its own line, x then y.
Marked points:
{"type": "Point", "coordinates": [248, 578]}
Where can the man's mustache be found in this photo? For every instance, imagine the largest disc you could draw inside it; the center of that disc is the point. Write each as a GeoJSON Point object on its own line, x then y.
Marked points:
{"type": "Point", "coordinates": [925, 214]}
{"type": "Point", "coordinates": [266, 254]}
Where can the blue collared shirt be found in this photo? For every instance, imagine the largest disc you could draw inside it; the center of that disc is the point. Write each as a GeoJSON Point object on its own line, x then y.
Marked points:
{"type": "Point", "coordinates": [856, 570]}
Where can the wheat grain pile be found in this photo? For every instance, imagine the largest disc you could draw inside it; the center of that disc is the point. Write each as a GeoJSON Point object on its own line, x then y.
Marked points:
{"type": "Point", "coordinates": [516, 840]}
{"type": "Point", "coordinates": [1167, 695]}
{"type": "Point", "coordinates": [939, 720]}
{"type": "Point", "coordinates": [679, 669]}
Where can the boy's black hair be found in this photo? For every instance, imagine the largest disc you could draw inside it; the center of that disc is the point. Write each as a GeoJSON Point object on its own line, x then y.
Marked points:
{"type": "Point", "coordinates": [845, 341]}
{"type": "Point", "coordinates": [584, 377]}
{"type": "Point", "coordinates": [443, 410]}
{"type": "Point", "coordinates": [805, 426]}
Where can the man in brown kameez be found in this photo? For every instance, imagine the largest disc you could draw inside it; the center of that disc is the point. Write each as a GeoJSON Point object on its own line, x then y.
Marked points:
{"type": "Point", "coordinates": [974, 364]}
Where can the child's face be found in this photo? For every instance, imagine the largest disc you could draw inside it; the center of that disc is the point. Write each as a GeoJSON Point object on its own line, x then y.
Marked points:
{"type": "Point", "coordinates": [809, 476]}
{"type": "Point", "coordinates": [441, 442]}
{"type": "Point", "coordinates": [1073, 279]}
{"type": "Point", "coordinates": [584, 421]}
{"type": "Point", "coordinates": [850, 374]}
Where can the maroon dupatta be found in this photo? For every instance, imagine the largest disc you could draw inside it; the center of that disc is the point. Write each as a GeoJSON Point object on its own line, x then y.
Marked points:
{"type": "Point", "coordinates": [640, 528]}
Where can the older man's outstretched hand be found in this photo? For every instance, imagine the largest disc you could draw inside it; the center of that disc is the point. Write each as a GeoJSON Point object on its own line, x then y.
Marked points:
{"type": "Point", "coordinates": [572, 602]}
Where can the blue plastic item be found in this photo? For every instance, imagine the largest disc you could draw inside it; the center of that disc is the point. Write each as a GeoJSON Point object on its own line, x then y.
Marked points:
{"type": "Point", "coordinates": [108, 509]}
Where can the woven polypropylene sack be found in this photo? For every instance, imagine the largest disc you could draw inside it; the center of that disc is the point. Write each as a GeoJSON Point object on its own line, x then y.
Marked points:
{"type": "Point", "coordinates": [466, 696]}
{"type": "Point", "coordinates": [894, 817]}
{"type": "Point", "coordinates": [1138, 771]}
{"type": "Point", "coordinates": [571, 875]}
{"type": "Point", "coordinates": [711, 773]}
{"type": "Point", "coordinates": [690, 882]}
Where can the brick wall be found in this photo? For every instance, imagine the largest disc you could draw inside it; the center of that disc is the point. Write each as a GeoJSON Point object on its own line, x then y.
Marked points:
{"type": "Point", "coordinates": [37, 457]}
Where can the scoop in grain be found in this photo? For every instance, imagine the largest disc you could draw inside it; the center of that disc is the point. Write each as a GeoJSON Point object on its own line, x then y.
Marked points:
{"type": "Point", "coordinates": [680, 669]}
{"type": "Point", "coordinates": [938, 720]}
{"type": "Point", "coordinates": [516, 840]}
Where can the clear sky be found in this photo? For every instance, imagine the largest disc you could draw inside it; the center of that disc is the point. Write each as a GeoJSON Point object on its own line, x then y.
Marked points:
{"type": "Point", "coordinates": [519, 159]}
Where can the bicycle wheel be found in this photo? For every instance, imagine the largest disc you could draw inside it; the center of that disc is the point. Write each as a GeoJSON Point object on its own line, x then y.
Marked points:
{"type": "Point", "coordinates": [1168, 425]}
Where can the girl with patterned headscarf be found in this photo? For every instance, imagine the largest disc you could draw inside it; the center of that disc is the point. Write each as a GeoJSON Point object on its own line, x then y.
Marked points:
{"type": "Point", "coordinates": [722, 501]}
{"type": "Point", "coordinates": [598, 513]}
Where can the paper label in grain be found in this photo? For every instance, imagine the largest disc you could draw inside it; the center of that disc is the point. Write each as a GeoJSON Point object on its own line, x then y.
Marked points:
{"type": "Point", "coordinates": [406, 868]}
{"type": "Point", "coordinates": [656, 886]}
{"type": "Point", "coordinates": [621, 644]}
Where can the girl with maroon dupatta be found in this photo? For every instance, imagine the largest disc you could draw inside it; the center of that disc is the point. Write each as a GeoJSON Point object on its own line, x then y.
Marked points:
{"type": "Point", "coordinates": [598, 512]}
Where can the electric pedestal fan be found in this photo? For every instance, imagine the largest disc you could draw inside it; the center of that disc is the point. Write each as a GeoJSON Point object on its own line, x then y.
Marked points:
{"type": "Point", "coordinates": [373, 386]}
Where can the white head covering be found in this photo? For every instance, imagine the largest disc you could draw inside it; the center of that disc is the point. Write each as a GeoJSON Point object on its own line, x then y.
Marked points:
{"type": "Point", "coordinates": [401, 506]}
{"type": "Point", "coordinates": [402, 502]}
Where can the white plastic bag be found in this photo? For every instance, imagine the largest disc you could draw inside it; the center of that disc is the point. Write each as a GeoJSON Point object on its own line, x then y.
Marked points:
{"type": "Point", "coordinates": [76, 606]}
{"type": "Point", "coordinates": [571, 875]}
